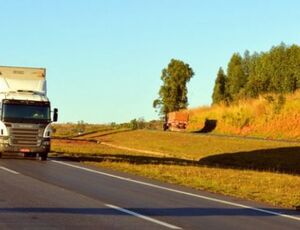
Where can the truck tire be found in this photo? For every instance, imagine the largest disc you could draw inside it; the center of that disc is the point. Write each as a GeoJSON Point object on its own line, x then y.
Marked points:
{"type": "Point", "coordinates": [43, 156]}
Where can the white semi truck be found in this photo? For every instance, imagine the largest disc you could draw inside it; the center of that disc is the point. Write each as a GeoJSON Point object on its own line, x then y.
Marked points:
{"type": "Point", "coordinates": [25, 124]}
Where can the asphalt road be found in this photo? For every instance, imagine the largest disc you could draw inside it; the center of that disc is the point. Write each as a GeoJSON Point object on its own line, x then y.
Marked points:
{"type": "Point", "coordinates": [67, 195]}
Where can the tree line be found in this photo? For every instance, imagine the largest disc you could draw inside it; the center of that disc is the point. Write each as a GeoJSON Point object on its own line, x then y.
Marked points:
{"type": "Point", "coordinates": [248, 76]}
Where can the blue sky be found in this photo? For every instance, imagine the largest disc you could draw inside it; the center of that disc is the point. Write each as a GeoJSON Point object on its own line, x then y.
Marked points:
{"type": "Point", "coordinates": [104, 58]}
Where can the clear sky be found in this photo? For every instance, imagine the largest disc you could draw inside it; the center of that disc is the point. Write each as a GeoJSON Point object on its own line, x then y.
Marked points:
{"type": "Point", "coordinates": [104, 57]}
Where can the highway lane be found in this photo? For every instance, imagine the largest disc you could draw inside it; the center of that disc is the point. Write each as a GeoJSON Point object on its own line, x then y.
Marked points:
{"type": "Point", "coordinates": [27, 203]}
{"type": "Point", "coordinates": [68, 195]}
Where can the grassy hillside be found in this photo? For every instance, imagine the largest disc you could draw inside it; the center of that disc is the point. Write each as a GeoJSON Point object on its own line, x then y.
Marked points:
{"type": "Point", "coordinates": [187, 145]}
{"type": "Point", "coordinates": [270, 116]}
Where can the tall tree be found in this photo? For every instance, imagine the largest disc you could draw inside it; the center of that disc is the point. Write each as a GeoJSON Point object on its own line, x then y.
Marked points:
{"type": "Point", "coordinates": [246, 63]}
{"type": "Point", "coordinates": [274, 71]}
{"type": "Point", "coordinates": [235, 76]}
{"type": "Point", "coordinates": [294, 70]}
{"type": "Point", "coordinates": [173, 92]}
{"type": "Point", "coordinates": [219, 93]}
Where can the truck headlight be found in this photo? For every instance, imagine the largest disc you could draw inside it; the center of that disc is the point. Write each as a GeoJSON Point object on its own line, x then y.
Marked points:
{"type": "Point", "coordinates": [47, 131]}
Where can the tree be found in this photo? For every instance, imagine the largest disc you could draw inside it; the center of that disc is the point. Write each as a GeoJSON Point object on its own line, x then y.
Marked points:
{"type": "Point", "coordinates": [219, 93]}
{"type": "Point", "coordinates": [137, 123]}
{"type": "Point", "coordinates": [173, 92]}
{"type": "Point", "coordinates": [275, 71]}
{"type": "Point", "coordinates": [236, 78]}
{"type": "Point", "coordinates": [246, 63]}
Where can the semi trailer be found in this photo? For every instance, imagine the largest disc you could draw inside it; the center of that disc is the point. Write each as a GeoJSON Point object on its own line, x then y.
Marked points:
{"type": "Point", "coordinates": [25, 123]}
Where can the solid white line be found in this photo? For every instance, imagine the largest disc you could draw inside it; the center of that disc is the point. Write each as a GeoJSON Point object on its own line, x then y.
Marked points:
{"type": "Point", "coordinates": [142, 216]}
{"type": "Point", "coordinates": [182, 192]}
{"type": "Point", "coordinates": [9, 170]}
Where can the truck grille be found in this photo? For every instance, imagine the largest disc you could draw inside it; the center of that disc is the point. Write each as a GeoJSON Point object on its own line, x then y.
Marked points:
{"type": "Point", "coordinates": [24, 137]}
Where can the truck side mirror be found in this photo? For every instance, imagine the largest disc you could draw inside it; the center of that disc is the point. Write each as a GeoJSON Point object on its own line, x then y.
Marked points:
{"type": "Point", "coordinates": [55, 114]}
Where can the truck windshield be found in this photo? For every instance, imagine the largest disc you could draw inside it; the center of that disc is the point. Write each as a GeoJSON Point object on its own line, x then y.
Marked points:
{"type": "Point", "coordinates": [26, 113]}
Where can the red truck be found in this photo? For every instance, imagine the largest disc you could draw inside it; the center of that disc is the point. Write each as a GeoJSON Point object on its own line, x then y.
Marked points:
{"type": "Point", "coordinates": [176, 121]}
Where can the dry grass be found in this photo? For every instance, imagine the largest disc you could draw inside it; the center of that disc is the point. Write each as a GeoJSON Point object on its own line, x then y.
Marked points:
{"type": "Point", "coordinates": [71, 129]}
{"type": "Point", "coordinates": [263, 117]}
{"type": "Point", "coordinates": [101, 133]}
{"type": "Point", "coordinates": [83, 148]}
{"type": "Point", "coordinates": [187, 145]}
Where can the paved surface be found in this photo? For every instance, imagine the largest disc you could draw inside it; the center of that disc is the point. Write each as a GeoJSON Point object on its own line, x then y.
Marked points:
{"type": "Point", "coordinates": [68, 195]}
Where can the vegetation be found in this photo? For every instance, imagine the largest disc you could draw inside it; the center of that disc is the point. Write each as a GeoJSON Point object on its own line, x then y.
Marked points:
{"type": "Point", "coordinates": [75, 129]}
{"type": "Point", "coordinates": [219, 93]}
{"type": "Point", "coordinates": [276, 71]}
{"type": "Point", "coordinates": [187, 145]}
{"type": "Point", "coordinates": [173, 92]}
{"type": "Point", "coordinates": [270, 116]}
{"type": "Point", "coordinates": [138, 123]}
{"type": "Point", "coordinates": [81, 148]}
{"type": "Point", "coordinates": [259, 170]}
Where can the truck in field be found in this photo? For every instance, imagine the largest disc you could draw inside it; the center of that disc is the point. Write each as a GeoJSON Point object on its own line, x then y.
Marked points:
{"type": "Point", "coordinates": [25, 123]}
{"type": "Point", "coordinates": [176, 121]}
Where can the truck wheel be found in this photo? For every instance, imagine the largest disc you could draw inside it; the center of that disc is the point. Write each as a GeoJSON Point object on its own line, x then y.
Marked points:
{"type": "Point", "coordinates": [43, 156]}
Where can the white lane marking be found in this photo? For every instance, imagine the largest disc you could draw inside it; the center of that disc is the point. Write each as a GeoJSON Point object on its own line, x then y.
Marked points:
{"type": "Point", "coordinates": [142, 216]}
{"type": "Point", "coordinates": [9, 170]}
{"type": "Point", "coordinates": [182, 192]}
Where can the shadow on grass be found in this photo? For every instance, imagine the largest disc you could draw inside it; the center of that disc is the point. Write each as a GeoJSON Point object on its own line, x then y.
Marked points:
{"type": "Point", "coordinates": [283, 160]}
{"type": "Point", "coordinates": [209, 126]}
{"type": "Point", "coordinates": [132, 159]}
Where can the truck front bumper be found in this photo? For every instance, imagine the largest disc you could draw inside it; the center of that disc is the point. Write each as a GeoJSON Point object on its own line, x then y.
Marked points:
{"type": "Point", "coordinates": [5, 147]}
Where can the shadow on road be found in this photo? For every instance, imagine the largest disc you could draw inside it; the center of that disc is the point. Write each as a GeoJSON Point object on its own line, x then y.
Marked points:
{"type": "Point", "coordinates": [180, 212]}
{"type": "Point", "coordinates": [284, 160]}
